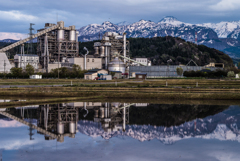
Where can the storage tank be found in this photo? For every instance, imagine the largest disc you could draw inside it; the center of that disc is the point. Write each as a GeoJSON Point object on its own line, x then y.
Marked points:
{"type": "Point", "coordinates": [77, 36]}
{"type": "Point", "coordinates": [60, 35]}
{"type": "Point", "coordinates": [101, 112]}
{"type": "Point", "coordinates": [116, 65]}
{"type": "Point", "coordinates": [72, 127]}
{"type": "Point", "coordinates": [60, 128]}
{"type": "Point", "coordinates": [102, 53]}
{"type": "Point", "coordinates": [96, 48]}
{"type": "Point", "coordinates": [72, 35]}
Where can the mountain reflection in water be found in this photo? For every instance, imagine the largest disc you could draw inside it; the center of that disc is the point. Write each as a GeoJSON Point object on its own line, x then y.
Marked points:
{"type": "Point", "coordinates": [141, 121]}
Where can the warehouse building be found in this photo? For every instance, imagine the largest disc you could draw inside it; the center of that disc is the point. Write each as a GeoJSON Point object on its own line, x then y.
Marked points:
{"type": "Point", "coordinates": [164, 70]}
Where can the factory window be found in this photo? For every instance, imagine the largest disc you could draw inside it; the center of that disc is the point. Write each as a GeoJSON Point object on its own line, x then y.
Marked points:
{"type": "Point", "coordinates": [87, 60]}
{"type": "Point", "coordinates": [92, 60]}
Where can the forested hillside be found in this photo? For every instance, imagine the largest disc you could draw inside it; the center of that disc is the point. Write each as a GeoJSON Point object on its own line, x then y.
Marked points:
{"type": "Point", "coordinates": [176, 50]}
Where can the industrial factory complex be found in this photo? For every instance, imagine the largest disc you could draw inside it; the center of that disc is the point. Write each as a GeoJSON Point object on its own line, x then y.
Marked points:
{"type": "Point", "coordinates": [57, 46]}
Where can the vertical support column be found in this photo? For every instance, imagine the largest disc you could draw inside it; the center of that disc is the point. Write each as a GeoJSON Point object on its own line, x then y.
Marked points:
{"type": "Point", "coordinates": [45, 51]}
{"type": "Point", "coordinates": [124, 119]}
{"type": "Point", "coordinates": [77, 45]}
{"type": "Point", "coordinates": [85, 63]}
{"type": "Point", "coordinates": [124, 46]}
{"type": "Point", "coordinates": [106, 57]}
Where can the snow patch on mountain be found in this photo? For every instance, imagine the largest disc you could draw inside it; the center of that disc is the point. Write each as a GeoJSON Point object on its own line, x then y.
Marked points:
{"type": "Point", "coordinates": [235, 34]}
{"type": "Point", "coordinates": [173, 21]}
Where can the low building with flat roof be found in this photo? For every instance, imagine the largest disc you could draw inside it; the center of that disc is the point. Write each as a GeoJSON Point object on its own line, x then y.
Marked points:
{"type": "Point", "coordinates": [92, 74]}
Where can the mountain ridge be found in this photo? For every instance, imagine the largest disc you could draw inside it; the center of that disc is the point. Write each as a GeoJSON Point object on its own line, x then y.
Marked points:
{"type": "Point", "coordinates": [218, 35]}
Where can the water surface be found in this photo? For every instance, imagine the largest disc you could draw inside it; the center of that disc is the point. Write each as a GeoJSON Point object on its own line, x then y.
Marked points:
{"type": "Point", "coordinates": [120, 131]}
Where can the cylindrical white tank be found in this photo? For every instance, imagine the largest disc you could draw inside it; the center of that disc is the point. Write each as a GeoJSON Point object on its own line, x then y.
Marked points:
{"type": "Point", "coordinates": [60, 128]}
{"type": "Point", "coordinates": [102, 53]}
{"type": "Point", "coordinates": [60, 35]}
{"type": "Point", "coordinates": [72, 35]}
{"type": "Point", "coordinates": [116, 65]}
{"type": "Point", "coordinates": [72, 127]}
{"type": "Point", "coordinates": [96, 50]}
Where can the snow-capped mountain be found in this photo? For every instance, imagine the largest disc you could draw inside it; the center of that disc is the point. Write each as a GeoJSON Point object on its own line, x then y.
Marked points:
{"type": "Point", "coordinates": [222, 126]}
{"type": "Point", "coordinates": [223, 29]}
{"type": "Point", "coordinates": [222, 36]}
{"type": "Point", "coordinates": [168, 26]}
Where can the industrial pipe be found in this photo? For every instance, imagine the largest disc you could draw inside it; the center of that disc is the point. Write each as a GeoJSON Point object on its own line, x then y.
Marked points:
{"type": "Point", "coordinates": [106, 57]}
{"type": "Point", "coordinates": [85, 58]}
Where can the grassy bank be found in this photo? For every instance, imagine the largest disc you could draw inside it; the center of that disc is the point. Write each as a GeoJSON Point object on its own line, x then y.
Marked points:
{"type": "Point", "coordinates": [126, 92]}
{"type": "Point", "coordinates": [182, 83]}
{"type": "Point", "coordinates": [121, 100]}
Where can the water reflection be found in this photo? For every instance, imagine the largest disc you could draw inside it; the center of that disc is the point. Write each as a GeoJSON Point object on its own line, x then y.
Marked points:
{"type": "Point", "coordinates": [141, 121]}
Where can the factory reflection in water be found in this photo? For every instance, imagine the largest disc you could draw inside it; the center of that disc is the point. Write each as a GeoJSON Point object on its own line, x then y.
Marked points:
{"type": "Point", "coordinates": [57, 121]}
{"type": "Point", "coordinates": [167, 123]}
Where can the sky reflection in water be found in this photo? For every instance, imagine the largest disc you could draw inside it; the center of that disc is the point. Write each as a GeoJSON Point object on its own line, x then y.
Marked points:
{"type": "Point", "coordinates": [215, 136]}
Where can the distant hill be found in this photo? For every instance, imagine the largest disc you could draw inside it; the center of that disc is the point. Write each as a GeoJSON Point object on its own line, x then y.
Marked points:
{"type": "Point", "coordinates": [161, 49]}
{"type": "Point", "coordinates": [8, 41]}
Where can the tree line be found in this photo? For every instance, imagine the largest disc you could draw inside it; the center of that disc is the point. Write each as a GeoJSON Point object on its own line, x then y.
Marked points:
{"type": "Point", "coordinates": [74, 72]}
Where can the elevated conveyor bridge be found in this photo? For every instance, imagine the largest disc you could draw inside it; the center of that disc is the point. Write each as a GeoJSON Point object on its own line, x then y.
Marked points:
{"type": "Point", "coordinates": [29, 38]}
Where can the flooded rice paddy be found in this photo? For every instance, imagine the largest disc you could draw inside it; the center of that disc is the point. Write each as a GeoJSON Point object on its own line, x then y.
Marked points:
{"type": "Point", "coordinates": [102, 131]}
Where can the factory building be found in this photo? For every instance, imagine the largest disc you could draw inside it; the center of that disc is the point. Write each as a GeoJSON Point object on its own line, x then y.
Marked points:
{"type": "Point", "coordinates": [91, 62]}
{"type": "Point", "coordinates": [113, 49]}
{"type": "Point", "coordinates": [57, 45]}
{"type": "Point", "coordinates": [21, 61]}
{"type": "Point", "coordinates": [164, 70]}
{"type": "Point", "coordinates": [144, 61]}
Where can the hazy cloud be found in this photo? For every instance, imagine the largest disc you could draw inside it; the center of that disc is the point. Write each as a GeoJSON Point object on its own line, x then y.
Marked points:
{"type": "Point", "coordinates": [227, 5]}
{"type": "Point", "coordinates": [15, 16]}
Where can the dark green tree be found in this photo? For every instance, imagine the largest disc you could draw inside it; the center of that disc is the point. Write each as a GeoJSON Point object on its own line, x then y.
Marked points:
{"type": "Point", "coordinates": [16, 72]}
{"type": "Point", "coordinates": [29, 69]}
